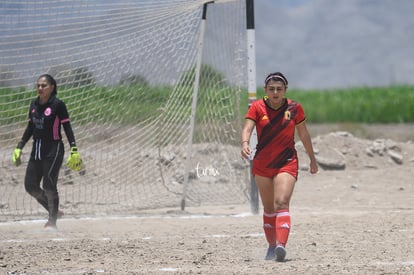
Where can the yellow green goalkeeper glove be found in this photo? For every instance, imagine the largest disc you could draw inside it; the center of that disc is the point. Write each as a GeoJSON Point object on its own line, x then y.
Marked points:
{"type": "Point", "coordinates": [17, 153]}
{"type": "Point", "coordinates": [74, 161]}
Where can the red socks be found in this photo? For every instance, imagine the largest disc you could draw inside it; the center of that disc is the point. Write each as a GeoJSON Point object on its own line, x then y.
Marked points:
{"type": "Point", "coordinates": [282, 226]}
{"type": "Point", "coordinates": [269, 221]}
{"type": "Point", "coordinates": [276, 227]}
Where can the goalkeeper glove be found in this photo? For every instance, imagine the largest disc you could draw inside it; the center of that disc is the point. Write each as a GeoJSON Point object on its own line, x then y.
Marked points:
{"type": "Point", "coordinates": [17, 153]}
{"type": "Point", "coordinates": [74, 161]}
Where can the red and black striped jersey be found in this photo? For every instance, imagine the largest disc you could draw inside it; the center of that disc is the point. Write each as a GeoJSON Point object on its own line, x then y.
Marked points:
{"type": "Point", "coordinates": [275, 130]}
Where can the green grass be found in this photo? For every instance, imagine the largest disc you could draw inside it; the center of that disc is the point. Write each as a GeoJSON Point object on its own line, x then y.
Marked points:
{"type": "Point", "coordinates": [393, 104]}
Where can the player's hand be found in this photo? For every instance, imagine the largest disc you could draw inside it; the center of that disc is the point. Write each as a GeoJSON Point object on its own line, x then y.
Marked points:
{"type": "Point", "coordinates": [17, 153]}
{"type": "Point", "coordinates": [314, 167]}
{"type": "Point", "coordinates": [74, 161]}
{"type": "Point", "coordinates": [246, 151]}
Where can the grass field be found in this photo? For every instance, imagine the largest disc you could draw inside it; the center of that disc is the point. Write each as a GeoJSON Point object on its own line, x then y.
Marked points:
{"type": "Point", "coordinates": [394, 104]}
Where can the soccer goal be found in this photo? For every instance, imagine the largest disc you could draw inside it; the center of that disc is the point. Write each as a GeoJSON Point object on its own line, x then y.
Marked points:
{"type": "Point", "coordinates": [155, 91]}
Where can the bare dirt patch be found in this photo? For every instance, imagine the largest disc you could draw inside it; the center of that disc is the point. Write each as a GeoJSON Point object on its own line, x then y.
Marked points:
{"type": "Point", "coordinates": [355, 220]}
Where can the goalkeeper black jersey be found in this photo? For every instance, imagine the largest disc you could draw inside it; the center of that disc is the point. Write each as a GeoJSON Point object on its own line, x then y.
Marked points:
{"type": "Point", "coordinates": [44, 123]}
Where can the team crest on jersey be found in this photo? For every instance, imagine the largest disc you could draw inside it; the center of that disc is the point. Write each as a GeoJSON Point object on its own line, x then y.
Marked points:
{"type": "Point", "coordinates": [265, 117]}
{"type": "Point", "coordinates": [287, 115]}
{"type": "Point", "coordinates": [48, 111]}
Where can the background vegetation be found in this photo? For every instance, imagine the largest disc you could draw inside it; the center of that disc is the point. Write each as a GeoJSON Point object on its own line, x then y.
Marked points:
{"type": "Point", "coordinates": [393, 104]}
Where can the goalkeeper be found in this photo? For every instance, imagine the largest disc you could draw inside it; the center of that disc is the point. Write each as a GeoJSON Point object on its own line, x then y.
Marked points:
{"type": "Point", "coordinates": [46, 116]}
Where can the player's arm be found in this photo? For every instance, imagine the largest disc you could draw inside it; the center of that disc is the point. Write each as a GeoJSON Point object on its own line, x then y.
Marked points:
{"type": "Point", "coordinates": [26, 135]}
{"type": "Point", "coordinates": [62, 112]}
{"type": "Point", "coordinates": [17, 153]}
{"type": "Point", "coordinates": [247, 130]}
{"type": "Point", "coordinates": [304, 136]}
{"type": "Point", "coordinates": [69, 133]}
{"type": "Point", "coordinates": [74, 161]}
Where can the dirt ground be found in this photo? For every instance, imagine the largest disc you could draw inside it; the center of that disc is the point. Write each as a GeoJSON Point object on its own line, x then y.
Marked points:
{"type": "Point", "coordinates": [357, 220]}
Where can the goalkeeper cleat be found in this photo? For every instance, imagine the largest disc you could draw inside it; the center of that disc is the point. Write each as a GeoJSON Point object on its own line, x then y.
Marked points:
{"type": "Point", "coordinates": [60, 214]}
{"type": "Point", "coordinates": [280, 252]}
{"type": "Point", "coordinates": [50, 225]}
{"type": "Point", "coordinates": [270, 255]}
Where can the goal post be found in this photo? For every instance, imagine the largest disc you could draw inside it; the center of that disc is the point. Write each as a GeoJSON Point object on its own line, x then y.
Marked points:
{"type": "Point", "coordinates": [156, 111]}
{"type": "Point", "coordinates": [196, 85]}
{"type": "Point", "coordinates": [252, 95]}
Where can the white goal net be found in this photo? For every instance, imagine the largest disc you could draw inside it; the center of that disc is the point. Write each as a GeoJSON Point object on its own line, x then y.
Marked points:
{"type": "Point", "coordinates": [129, 72]}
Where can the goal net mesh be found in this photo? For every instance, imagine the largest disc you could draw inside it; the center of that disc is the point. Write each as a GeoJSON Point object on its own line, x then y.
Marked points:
{"type": "Point", "coordinates": [126, 71]}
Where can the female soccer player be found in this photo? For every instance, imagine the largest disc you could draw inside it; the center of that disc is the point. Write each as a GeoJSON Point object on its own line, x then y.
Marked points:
{"type": "Point", "coordinates": [46, 115]}
{"type": "Point", "coordinates": [275, 163]}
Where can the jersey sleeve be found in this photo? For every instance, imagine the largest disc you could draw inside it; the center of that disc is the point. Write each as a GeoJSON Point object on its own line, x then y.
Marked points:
{"type": "Point", "coordinates": [63, 114]}
{"type": "Point", "coordinates": [252, 112]}
{"type": "Point", "coordinates": [28, 132]}
{"type": "Point", "coordinates": [26, 135]}
{"type": "Point", "coordinates": [300, 114]}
